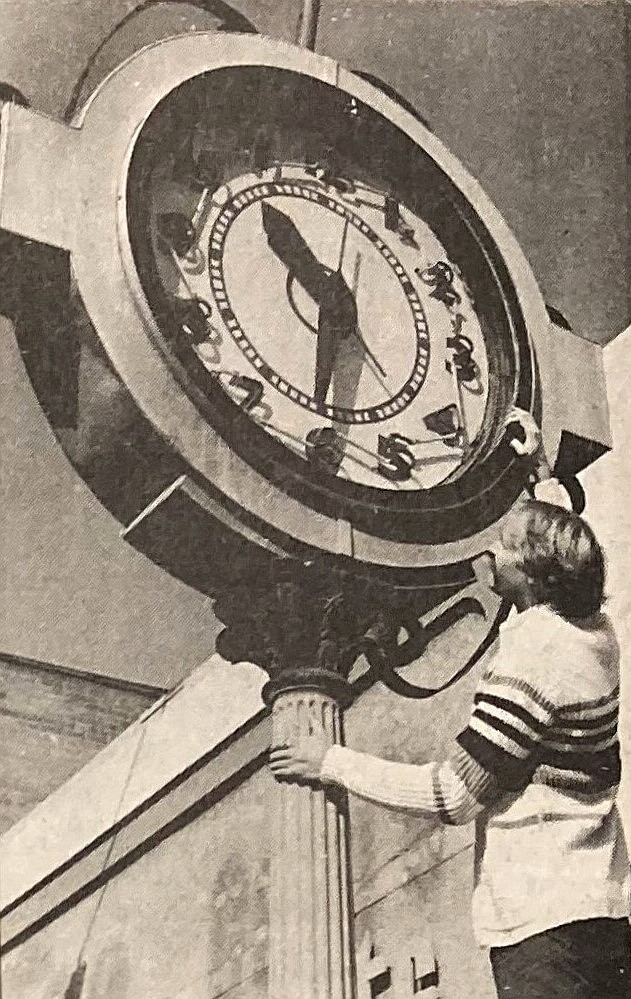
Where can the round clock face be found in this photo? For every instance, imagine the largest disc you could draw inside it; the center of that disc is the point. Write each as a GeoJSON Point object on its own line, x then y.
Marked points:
{"type": "Point", "coordinates": [328, 299]}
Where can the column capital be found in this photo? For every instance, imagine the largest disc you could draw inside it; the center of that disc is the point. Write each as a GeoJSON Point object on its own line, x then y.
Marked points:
{"type": "Point", "coordinates": [317, 679]}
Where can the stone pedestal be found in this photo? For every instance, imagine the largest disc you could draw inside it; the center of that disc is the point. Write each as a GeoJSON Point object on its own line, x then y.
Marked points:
{"type": "Point", "coordinates": [311, 940]}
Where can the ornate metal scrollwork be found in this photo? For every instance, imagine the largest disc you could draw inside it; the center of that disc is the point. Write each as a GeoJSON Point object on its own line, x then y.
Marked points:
{"type": "Point", "coordinates": [294, 625]}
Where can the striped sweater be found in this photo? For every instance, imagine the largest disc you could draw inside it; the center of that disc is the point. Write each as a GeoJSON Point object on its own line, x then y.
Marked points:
{"type": "Point", "coordinates": [538, 768]}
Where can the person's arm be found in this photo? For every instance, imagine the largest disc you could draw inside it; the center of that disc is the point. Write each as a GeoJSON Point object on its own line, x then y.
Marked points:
{"type": "Point", "coordinates": [496, 755]}
{"type": "Point", "coordinates": [453, 792]}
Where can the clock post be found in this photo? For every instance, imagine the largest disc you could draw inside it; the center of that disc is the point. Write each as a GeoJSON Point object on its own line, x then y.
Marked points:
{"type": "Point", "coordinates": [306, 630]}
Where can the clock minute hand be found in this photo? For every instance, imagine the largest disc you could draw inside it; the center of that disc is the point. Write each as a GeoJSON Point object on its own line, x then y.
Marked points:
{"type": "Point", "coordinates": [336, 322]}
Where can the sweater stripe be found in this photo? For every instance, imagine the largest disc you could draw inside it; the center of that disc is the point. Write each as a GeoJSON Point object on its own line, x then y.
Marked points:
{"type": "Point", "coordinates": [517, 684]}
{"type": "Point", "coordinates": [509, 736]}
{"type": "Point", "coordinates": [589, 729]}
{"type": "Point", "coordinates": [439, 797]}
{"type": "Point", "coordinates": [606, 762]}
{"type": "Point", "coordinates": [510, 765]}
{"type": "Point", "coordinates": [588, 721]}
{"type": "Point", "coordinates": [496, 717]}
{"type": "Point", "coordinates": [583, 706]}
{"type": "Point", "coordinates": [566, 742]}
{"type": "Point", "coordinates": [507, 707]}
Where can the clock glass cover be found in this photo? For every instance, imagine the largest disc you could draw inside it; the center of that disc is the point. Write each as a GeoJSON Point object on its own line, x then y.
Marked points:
{"type": "Point", "coordinates": [329, 299]}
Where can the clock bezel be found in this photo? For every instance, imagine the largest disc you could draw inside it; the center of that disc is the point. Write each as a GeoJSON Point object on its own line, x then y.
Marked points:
{"type": "Point", "coordinates": [459, 505]}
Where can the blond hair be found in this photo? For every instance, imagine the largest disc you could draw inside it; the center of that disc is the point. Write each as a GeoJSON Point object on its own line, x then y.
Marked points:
{"type": "Point", "coordinates": [564, 563]}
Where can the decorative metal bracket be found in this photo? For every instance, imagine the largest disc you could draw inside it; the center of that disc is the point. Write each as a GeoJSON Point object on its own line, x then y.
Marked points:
{"type": "Point", "coordinates": [305, 628]}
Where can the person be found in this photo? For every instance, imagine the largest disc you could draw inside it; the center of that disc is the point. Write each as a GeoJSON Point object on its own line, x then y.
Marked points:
{"type": "Point", "coordinates": [537, 766]}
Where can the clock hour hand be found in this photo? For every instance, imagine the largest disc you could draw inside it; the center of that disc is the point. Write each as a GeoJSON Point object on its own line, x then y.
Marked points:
{"type": "Point", "coordinates": [294, 252]}
{"type": "Point", "coordinates": [328, 289]}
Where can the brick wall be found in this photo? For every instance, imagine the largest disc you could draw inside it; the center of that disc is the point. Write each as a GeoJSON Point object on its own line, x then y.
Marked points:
{"type": "Point", "coordinates": [52, 721]}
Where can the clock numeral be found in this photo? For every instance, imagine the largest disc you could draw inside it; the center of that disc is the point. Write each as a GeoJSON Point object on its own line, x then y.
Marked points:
{"type": "Point", "coordinates": [407, 235]}
{"type": "Point", "coordinates": [392, 218]}
{"type": "Point", "coordinates": [396, 460]}
{"type": "Point", "coordinates": [395, 222]}
{"type": "Point", "coordinates": [327, 172]}
{"type": "Point", "coordinates": [194, 262]}
{"type": "Point", "coordinates": [446, 423]}
{"type": "Point", "coordinates": [462, 358]}
{"type": "Point", "coordinates": [324, 448]}
{"type": "Point", "coordinates": [440, 275]}
{"type": "Point", "coordinates": [252, 388]}
{"type": "Point", "coordinates": [252, 399]}
{"type": "Point", "coordinates": [341, 184]}
{"type": "Point", "coordinates": [193, 315]}
{"type": "Point", "coordinates": [177, 232]}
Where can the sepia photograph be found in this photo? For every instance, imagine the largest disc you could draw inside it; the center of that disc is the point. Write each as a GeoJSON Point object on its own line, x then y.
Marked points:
{"type": "Point", "coordinates": [315, 328]}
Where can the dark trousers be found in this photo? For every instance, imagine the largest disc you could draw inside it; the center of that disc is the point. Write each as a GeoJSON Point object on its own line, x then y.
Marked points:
{"type": "Point", "coordinates": [590, 959]}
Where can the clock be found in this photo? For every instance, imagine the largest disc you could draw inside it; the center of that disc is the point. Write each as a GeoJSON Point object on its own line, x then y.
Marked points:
{"type": "Point", "coordinates": [301, 323]}
{"type": "Point", "coordinates": [331, 301]}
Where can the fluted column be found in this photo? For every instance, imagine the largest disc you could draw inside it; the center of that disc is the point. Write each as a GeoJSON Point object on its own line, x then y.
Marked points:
{"type": "Point", "coordinates": [311, 938]}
